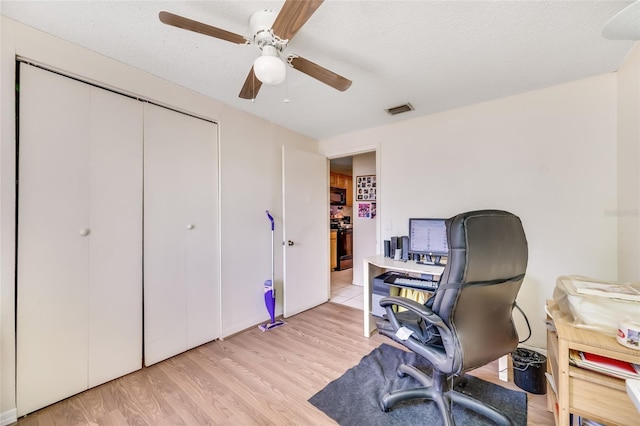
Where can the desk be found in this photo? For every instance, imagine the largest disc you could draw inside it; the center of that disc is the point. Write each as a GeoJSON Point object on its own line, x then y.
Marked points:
{"type": "Point", "coordinates": [582, 392]}
{"type": "Point", "coordinates": [376, 265]}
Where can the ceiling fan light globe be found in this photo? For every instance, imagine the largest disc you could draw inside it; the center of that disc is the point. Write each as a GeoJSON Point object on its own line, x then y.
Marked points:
{"type": "Point", "coordinates": [270, 70]}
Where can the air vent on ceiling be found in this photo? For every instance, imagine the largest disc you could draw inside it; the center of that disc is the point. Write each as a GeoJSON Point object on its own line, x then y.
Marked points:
{"type": "Point", "coordinates": [400, 109]}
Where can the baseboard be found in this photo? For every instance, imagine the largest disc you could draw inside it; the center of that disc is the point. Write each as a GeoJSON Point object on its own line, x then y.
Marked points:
{"type": "Point", "coordinates": [8, 417]}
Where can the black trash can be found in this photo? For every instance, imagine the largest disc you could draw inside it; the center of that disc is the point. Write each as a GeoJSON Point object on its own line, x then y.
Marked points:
{"type": "Point", "coordinates": [528, 370]}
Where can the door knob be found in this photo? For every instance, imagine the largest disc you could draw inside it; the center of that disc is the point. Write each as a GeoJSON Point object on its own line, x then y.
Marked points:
{"type": "Point", "coordinates": [289, 243]}
{"type": "Point", "coordinates": [190, 226]}
{"type": "Point", "coordinates": [84, 232]}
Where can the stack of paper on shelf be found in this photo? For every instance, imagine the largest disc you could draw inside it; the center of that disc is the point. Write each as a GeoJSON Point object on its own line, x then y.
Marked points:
{"type": "Point", "coordinates": [595, 304]}
{"type": "Point", "coordinates": [613, 291]}
{"type": "Point", "coordinates": [604, 365]}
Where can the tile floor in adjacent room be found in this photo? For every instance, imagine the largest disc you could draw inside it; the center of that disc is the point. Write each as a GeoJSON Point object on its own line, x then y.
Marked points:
{"type": "Point", "coordinates": [344, 292]}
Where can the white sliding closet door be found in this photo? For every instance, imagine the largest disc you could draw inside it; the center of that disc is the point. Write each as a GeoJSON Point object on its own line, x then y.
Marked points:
{"type": "Point", "coordinates": [115, 242]}
{"type": "Point", "coordinates": [181, 276]}
{"type": "Point", "coordinates": [79, 300]}
{"type": "Point", "coordinates": [53, 256]}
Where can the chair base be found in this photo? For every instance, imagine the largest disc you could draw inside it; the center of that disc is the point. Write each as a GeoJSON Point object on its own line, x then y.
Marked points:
{"type": "Point", "coordinates": [438, 389]}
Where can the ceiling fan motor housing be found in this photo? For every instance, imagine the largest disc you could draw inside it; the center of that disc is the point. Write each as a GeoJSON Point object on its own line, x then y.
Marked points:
{"type": "Point", "coordinates": [260, 24]}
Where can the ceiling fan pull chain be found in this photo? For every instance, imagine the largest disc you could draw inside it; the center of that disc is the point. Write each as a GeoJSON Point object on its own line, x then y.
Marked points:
{"type": "Point", "coordinates": [286, 91]}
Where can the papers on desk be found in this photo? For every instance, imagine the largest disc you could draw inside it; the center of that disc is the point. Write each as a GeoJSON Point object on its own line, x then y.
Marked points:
{"type": "Point", "coordinates": [604, 365]}
{"type": "Point", "coordinates": [612, 291]}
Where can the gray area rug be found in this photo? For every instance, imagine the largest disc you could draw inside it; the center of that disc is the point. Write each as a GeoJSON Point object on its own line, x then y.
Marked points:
{"type": "Point", "coordinates": [354, 398]}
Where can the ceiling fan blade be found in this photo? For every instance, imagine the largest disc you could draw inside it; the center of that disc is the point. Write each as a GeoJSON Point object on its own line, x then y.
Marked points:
{"type": "Point", "coordinates": [251, 86]}
{"type": "Point", "coordinates": [322, 74]}
{"type": "Point", "coordinates": [625, 25]}
{"type": "Point", "coordinates": [198, 27]}
{"type": "Point", "coordinates": [292, 17]}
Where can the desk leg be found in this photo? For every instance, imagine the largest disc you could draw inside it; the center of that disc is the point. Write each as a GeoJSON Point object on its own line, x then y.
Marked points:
{"type": "Point", "coordinates": [503, 368]}
{"type": "Point", "coordinates": [370, 272]}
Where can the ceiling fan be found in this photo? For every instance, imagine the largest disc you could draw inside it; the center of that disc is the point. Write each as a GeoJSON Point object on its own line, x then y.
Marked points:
{"type": "Point", "coordinates": [271, 34]}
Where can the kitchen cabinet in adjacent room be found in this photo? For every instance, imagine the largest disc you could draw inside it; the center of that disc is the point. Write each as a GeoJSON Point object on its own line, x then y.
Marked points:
{"type": "Point", "coordinates": [348, 183]}
{"type": "Point", "coordinates": [334, 249]}
{"type": "Point", "coordinates": [338, 180]}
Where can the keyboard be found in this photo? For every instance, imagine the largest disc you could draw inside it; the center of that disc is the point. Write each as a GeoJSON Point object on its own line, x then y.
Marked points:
{"type": "Point", "coordinates": [417, 283]}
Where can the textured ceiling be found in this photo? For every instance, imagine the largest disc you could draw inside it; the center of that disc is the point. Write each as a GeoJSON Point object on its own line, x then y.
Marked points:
{"type": "Point", "coordinates": [437, 55]}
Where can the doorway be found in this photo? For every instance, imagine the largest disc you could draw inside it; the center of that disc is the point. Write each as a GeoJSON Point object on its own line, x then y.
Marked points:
{"type": "Point", "coordinates": [354, 234]}
{"type": "Point", "coordinates": [340, 216]}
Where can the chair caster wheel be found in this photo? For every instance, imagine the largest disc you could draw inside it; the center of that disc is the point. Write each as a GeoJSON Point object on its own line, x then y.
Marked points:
{"type": "Point", "coordinates": [461, 382]}
{"type": "Point", "coordinates": [384, 406]}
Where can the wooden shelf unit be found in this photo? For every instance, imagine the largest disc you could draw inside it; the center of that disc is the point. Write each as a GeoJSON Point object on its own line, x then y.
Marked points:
{"type": "Point", "coordinates": [583, 392]}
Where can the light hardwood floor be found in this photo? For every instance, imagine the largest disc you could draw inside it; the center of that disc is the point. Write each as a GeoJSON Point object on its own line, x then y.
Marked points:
{"type": "Point", "coordinates": [252, 378]}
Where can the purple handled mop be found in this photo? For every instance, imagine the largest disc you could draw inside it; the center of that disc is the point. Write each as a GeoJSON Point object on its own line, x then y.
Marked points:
{"type": "Point", "coordinates": [269, 290]}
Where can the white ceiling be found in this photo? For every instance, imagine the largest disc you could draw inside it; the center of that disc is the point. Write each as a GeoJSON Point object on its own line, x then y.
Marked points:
{"type": "Point", "coordinates": [437, 55]}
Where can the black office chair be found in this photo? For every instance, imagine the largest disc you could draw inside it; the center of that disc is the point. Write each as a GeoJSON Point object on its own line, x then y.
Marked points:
{"type": "Point", "coordinates": [467, 323]}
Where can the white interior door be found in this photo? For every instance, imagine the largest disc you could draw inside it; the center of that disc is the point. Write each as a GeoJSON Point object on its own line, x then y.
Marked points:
{"type": "Point", "coordinates": [305, 230]}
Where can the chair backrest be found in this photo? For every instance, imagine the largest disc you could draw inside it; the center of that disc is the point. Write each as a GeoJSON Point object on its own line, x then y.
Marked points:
{"type": "Point", "coordinates": [485, 268]}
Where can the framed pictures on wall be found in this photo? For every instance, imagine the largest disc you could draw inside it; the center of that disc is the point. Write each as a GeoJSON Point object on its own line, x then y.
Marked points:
{"type": "Point", "coordinates": [366, 188]}
{"type": "Point", "coordinates": [367, 210]}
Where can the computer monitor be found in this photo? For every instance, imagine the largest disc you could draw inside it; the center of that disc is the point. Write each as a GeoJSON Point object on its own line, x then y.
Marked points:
{"type": "Point", "coordinates": [428, 237]}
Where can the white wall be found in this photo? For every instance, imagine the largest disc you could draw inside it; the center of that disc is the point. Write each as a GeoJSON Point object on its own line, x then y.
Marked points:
{"type": "Point", "coordinates": [251, 173]}
{"type": "Point", "coordinates": [364, 229]}
{"type": "Point", "coordinates": [250, 179]}
{"type": "Point", "coordinates": [628, 212]}
{"type": "Point", "coordinates": [548, 156]}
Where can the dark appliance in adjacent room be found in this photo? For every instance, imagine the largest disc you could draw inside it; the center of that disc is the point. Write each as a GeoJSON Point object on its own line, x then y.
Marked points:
{"type": "Point", "coordinates": [345, 248]}
{"type": "Point", "coordinates": [338, 196]}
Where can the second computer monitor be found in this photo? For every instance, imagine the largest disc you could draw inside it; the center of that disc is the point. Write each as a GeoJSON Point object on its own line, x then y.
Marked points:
{"type": "Point", "coordinates": [428, 237]}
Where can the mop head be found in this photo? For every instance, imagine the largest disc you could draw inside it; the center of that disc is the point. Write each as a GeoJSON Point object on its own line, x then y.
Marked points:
{"type": "Point", "coordinates": [271, 325]}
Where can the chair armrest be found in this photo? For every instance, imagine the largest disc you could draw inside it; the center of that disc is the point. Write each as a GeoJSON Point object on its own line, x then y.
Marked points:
{"type": "Point", "coordinates": [446, 360]}
{"type": "Point", "coordinates": [413, 306]}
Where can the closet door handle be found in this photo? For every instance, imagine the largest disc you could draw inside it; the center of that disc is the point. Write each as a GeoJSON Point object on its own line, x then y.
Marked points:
{"type": "Point", "coordinates": [84, 232]}
{"type": "Point", "coordinates": [190, 226]}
